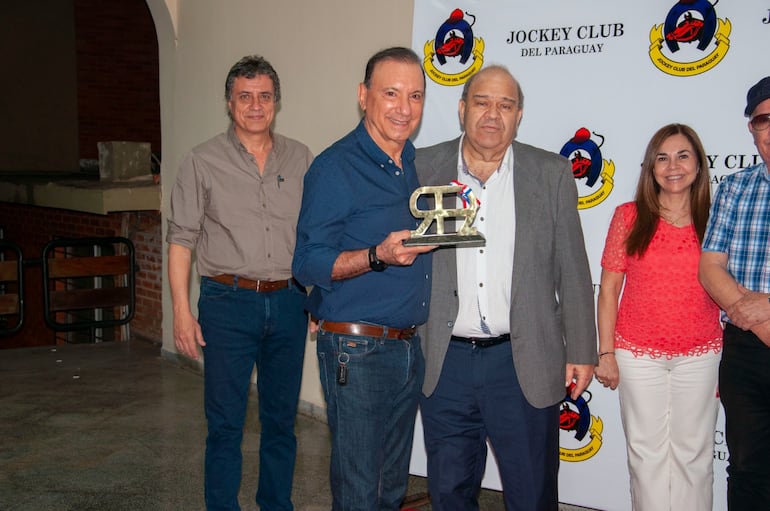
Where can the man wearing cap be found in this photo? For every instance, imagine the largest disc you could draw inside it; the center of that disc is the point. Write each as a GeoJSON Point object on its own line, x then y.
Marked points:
{"type": "Point", "coordinates": [735, 270]}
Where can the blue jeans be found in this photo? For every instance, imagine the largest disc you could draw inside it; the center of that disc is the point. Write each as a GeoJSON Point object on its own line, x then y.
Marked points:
{"type": "Point", "coordinates": [743, 390]}
{"type": "Point", "coordinates": [371, 417]}
{"type": "Point", "coordinates": [243, 328]}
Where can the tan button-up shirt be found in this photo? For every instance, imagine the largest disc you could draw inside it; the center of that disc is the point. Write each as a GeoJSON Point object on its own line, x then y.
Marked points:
{"type": "Point", "coordinates": [236, 221]}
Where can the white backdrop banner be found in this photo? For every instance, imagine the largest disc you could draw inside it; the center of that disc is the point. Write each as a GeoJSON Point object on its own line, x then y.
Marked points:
{"type": "Point", "coordinates": [599, 78]}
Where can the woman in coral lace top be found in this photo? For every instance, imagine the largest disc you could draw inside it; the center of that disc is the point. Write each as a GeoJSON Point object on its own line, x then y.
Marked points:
{"type": "Point", "coordinates": [660, 346]}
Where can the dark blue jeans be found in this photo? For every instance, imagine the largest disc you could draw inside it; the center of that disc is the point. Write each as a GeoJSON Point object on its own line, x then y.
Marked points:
{"type": "Point", "coordinates": [478, 397]}
{"type": "Point", "coordinates": [371, 417]}
{"type": "Point", "coordinates": [243, 328]}
{"type": "Point", "coordinates": [743, 390]}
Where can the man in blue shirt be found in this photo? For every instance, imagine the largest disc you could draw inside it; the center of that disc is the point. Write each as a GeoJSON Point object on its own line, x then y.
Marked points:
{"type": "Point", "coordinates": [370, 291]}
{"type": "Point", "coordinates": [735, 270]}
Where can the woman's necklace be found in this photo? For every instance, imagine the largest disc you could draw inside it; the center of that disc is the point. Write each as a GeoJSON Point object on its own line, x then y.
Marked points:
{"type": "Point", "coordinates": [675, 220]}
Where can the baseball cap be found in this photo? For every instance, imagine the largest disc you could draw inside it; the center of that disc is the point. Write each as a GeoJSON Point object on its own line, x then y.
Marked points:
{"type": "Point", "coordinates": [757, 94]}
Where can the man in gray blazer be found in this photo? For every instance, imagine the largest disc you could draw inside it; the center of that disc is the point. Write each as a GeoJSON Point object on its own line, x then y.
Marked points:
{"type": "Point", "coordinates": [511, 324]}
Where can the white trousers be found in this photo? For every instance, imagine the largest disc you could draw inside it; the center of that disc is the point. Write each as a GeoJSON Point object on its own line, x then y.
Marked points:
{"type": "Point", "coordinates": [669, 411]}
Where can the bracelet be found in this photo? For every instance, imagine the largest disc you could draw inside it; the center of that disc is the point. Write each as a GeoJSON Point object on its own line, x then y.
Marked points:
{"type": "Point", "coordinates": [606, 353]}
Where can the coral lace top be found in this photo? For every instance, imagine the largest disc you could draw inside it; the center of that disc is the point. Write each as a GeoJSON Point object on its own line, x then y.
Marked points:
{"type": "Point", "coordinates": [664, 311]}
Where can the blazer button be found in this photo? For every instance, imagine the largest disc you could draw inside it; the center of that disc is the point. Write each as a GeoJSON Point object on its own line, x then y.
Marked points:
{"type": "Point", "coordinates": [450, 324]}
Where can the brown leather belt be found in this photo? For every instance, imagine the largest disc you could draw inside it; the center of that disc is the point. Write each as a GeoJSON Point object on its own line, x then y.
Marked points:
{"type": "Point", "coordinates": [365, 330]}
{"type": "Point", "coordinates": [260, 286]}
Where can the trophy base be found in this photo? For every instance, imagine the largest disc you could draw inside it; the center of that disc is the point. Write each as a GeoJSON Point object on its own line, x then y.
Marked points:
{"type": "Point", "coordinates": [447, 240]}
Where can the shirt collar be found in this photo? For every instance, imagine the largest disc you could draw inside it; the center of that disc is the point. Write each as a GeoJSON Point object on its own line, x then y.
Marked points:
{"type": "Point", "coordinates": [376, 153]}
{"type": "Point", "coordinates": [765, 171]}
{"type": "Point", "coordinates": [232, 137]}
{"type": "Point", "coordinates": [505, 166]}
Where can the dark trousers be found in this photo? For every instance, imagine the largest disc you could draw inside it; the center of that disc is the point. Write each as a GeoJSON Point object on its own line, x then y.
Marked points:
{"type": "Point", "coordinates": [478, 397]}
{"type": "Point", "coordinates": [743, 388]}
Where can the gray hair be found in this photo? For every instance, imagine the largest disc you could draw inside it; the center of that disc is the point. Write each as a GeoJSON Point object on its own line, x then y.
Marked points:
{"type": "Point", "coordinates": [249, 67]}
{"type": "Point", "coordinates": [493, 67]}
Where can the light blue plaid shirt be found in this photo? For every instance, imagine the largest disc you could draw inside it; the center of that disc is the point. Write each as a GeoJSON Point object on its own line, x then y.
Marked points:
{"type": "Point", "coordinates": [739, 225]}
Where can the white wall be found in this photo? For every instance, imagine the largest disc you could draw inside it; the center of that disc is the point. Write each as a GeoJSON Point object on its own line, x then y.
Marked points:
{"type": "Point", "coordinates": [319, 50]}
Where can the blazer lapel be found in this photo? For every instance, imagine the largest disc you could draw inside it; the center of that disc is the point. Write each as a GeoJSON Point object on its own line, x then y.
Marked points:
{"type": "Point", "coordinates": [447, 171]}
{"type": "Point", "coordinates": [524, 191]}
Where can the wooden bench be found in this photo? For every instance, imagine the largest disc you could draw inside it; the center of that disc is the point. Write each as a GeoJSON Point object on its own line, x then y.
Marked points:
{"type": "Point", "coordinates": [104, 284]}
{"type": "Point", "coordinates": [11, 288]}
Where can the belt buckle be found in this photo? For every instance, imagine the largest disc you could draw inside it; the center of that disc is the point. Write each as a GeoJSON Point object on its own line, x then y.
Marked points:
{"type": "Point", "coordinates": [406, 333]}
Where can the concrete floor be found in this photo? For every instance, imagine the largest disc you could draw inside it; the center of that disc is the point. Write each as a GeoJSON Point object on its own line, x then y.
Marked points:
{"type": "Point", "coordinates": [113, 426]}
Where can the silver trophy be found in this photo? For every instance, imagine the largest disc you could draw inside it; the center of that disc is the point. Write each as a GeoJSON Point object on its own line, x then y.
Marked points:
{"type": "Point", "coordinates": [466, 235]}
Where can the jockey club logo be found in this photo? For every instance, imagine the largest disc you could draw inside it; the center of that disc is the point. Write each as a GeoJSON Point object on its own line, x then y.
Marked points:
{"type": "Point", "coordinates": [693, 23]}
{"type": "Point", "coordinates": [587, 163]}
{"type": "Point", "coordinates": [455, 54]}
{"type": "Point", "coordinates": [576, 416]}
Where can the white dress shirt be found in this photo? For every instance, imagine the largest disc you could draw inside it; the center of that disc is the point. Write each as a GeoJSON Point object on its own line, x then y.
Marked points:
{"type": "Point", "coordinates": [484, 273]}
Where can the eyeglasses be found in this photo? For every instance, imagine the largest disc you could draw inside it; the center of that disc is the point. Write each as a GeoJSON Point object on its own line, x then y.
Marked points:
{"type": "Point", "coordinates": [760, 122]}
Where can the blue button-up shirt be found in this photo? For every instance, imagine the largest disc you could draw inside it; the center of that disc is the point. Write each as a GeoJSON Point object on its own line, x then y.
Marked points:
{"type": "Point", "coordinates": [354, 196]}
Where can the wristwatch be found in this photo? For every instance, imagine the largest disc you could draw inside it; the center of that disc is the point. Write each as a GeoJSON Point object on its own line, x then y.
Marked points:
{"type": "Point", "coordinates": [374, 263]}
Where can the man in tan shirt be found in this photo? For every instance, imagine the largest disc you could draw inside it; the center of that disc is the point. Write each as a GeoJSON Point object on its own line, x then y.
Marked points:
{"type": "Point", "coordinates": [235, 203]}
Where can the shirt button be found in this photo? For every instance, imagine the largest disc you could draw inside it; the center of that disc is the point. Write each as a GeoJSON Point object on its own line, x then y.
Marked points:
{"type": "Point", "coordinates": [481, 284]}
{"type": "Point", "coordinates": [398, 173]}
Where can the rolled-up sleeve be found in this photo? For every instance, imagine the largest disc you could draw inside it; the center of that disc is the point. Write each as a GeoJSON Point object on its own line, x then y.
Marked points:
{"type": "Point", "coordinates": [187, 205]}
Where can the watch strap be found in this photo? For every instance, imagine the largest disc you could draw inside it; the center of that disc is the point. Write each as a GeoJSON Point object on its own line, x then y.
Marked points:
{"type": "Point", "coordinates": [374, 263]}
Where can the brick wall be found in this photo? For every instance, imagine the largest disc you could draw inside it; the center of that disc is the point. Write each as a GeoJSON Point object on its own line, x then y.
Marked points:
{"type": "Point", "coordinates": [117, 74]}
{"type": "Point", "coordinates": [118, 99]}
{"type": "Point", "coordinates": [145, 232]}
{"type": "Point", "coordinates": [32, 227]}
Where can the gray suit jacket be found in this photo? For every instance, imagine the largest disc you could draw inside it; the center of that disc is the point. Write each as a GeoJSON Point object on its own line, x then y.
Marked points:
{"type": "Point", "coordinates": [552, 302]}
